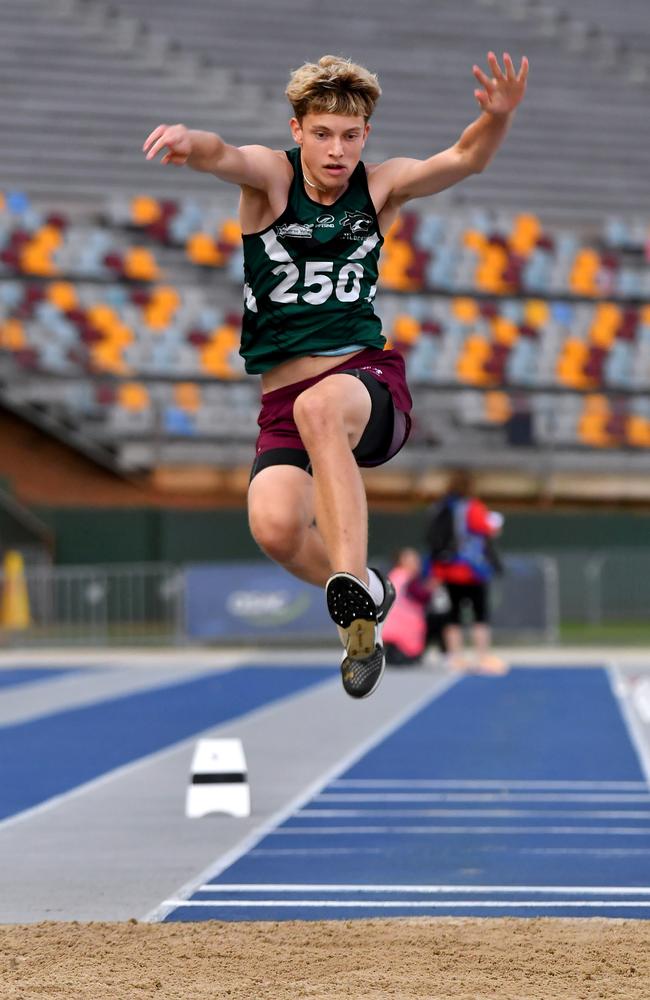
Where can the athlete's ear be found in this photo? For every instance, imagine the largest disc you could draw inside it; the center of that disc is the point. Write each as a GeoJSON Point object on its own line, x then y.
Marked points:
{"type": "Point", "coordinates": [296, 131]}
{"type": "Point", "coordinates": [366, 133]}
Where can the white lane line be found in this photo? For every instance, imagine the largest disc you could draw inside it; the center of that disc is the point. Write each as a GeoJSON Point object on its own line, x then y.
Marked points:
{"type": "Point", "coordinates": [597, 852]}
{"type": "Point", "coordinates": [488, 783]}
{"type": "Point", "coordinates": [314, 852]}
{"type": "Point", "coordinates": [603, 831]}
{"type": "Point", "coordinates": [394, 904]}
{"type": "Point", "coordinates": [636, 730]}
{"type": "Point", "coordinates": [478, 813]}
{"type": "Point", "coordinates": [498, 797]}
{"type": "Point", "coordinates": [568, 890]}
{"type": "Point", "coordinates": [269, 826]}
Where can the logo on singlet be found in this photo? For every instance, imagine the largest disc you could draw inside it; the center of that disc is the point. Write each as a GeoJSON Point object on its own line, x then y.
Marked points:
{"type": "Point", "coordinates": [358, 224]}
{"type": "Point", "coordinates": [302, 229]}
{"type": "Point", "coordinates": [325, 222]}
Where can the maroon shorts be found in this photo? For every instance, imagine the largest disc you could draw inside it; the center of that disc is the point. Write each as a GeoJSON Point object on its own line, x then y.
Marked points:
{"type": "Point", "coordinates": [278, 429]}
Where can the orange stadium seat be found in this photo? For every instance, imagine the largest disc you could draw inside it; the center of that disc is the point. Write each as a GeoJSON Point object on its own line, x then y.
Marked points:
{"type": "Point", "coordinates": [166, 297]}
{"type": "Point", "coordinates": [215, 356]}
{"type": "Point", "coordinates": [140, 264]}
{"type": "Point", "coordinates": [106, 356]}
{"type": "Point", "coordinates": [474, 240]}
{"type": "Point", "coordinates": [536, 312]}
{"type": "Point", "coordinates": [187, 396]}
{"type": "Point", "coordinates": [571, 362]}
{"type": "Point", "coordinates": [102, 316]}
{"type": "Point", "coordinates": [592, 424]}
{"type": "Point", "coordinates": [606, 323]}
{"type": "Point", "coordinates": [159, 309]}
{"type": "Point", "coordinates": [133, 396]}
{"type": "Point", "coordinates": [489, 272]}
{"type": "Point", "coordinates": [504, 331]}
{"type": "Point", "coordinates": [638, 431]}
{"type": "Point", "coordinates": [498, 408]}
{"type": "Point", "coordinates": [63, 295]}
{"type": "Point", "coordinates": [145, 210]}
{"type": "Point", "coordinates": [526, 231]}
{"type": "Point", "coordinates": [466, 310]}
{"type": "Point", "coordinates": [202, 250]}
{"type": "Point", "coordinates": [406, 329]}
{"type": "Point", "coordinates": [12, 335]}
{"type": "Point", "coordinates": [230, 233]}
{"type": "Point", "coordinates": [470, 366]}
{"type": "Point", "coordinates": [584, 273]}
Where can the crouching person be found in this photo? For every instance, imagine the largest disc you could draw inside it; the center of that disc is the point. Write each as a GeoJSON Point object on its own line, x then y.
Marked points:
{"type": "Point", "coordinates": [405, 630]}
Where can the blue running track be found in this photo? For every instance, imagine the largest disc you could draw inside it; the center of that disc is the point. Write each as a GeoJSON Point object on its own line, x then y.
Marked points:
{"type": "Point", "coordinates": [516, 796]}
{"type": "Point", "coordinates": [52, 754]}
{"type": "Point", "coordinates": [34, 675]}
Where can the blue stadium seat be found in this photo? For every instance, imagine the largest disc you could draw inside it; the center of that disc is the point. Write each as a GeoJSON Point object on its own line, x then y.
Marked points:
{"type": "Point", "coordinates": [178, 422]}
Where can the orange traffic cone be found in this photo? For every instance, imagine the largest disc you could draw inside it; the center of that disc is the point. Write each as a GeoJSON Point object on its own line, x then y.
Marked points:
{"type": "Point", "coordinates": [14, 606]}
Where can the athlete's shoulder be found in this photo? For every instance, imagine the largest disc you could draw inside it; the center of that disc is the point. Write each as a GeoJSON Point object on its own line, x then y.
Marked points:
{"type": "Point", "coordinates": [389, 167]}
{"type": "Point", "coordinates": [277, 172]}
{"type": "Point", "coordinates": [271, 161]}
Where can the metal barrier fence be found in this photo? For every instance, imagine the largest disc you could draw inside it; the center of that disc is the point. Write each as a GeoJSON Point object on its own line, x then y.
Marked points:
{"type": "Point", "coordinates": [146, 603]}
{"type": "Point", "coordinates": [617, 587]}
{"type": "Point", "coordinates": [103, 605]}
{"type": "Point", "coordinates": [610, 587]}
{"type": "Point", "coordinates": [157, 604]}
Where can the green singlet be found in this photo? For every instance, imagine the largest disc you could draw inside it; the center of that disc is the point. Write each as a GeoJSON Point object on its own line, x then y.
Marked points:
{"type": "Point", "coordinates": [311, 277]}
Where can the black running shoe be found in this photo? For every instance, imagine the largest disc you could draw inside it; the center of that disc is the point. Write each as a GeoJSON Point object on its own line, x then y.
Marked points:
{"type": "Point", "coordinates": [355, 613]}
{"type": "Point", "coordinates": [389, 596]}
{"type": "Point", "coordinates": [361, 677]}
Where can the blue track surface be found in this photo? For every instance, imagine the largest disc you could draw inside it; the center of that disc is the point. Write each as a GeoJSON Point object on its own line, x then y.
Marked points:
{"type": "Point", "coordinates": [33, 675]}
{"type": "Point", "coordinates": [53, 754]}
{"type": "Point", "coordinates": [517, 796]}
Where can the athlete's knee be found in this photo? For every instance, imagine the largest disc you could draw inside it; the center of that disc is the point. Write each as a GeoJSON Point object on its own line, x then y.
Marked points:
{"type": "Point", "coordinates": [316, 413]}
{"type": "Point", "coordinates": [279, 533]}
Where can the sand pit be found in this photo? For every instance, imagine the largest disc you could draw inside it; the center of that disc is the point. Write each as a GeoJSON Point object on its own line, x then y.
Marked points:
{"type": "Point", "coordinates": [509, 959]}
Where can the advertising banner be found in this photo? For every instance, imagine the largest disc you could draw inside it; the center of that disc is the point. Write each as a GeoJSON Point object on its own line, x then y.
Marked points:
{"type": "Point", "coordinates": [249, 600]}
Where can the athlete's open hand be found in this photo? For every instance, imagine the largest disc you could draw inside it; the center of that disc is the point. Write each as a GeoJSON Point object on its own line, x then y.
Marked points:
{"type": "Point", "coordinates": [175, 139]}
{"type": "Point", "coordinates": [503, 92]}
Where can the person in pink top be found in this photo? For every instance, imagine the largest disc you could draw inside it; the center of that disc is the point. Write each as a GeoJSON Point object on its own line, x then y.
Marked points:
{"type": "Point", "coordinates": [405, 631]}
{"type": "Point", "coordinates": [464, 560]}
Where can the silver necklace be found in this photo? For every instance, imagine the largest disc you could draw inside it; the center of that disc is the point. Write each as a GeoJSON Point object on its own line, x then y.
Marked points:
{"type": "Point", "coordinates": [311, 183]}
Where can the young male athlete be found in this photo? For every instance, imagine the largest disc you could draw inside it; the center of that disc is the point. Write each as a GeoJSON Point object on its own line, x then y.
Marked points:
{"type": "Point", "coordinates": [333, 399]}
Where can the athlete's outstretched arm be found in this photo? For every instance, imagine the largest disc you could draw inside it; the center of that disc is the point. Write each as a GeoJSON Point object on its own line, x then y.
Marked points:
{"type": "Point", "coordinates": [403, 178]}
{"type": "Point", "coordinates": [207, 151]}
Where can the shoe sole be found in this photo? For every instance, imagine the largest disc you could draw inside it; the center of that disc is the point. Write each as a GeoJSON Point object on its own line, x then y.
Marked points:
{"type": "Point", "coordinates": [352, 609]}
{"type": "Point", "coordinates": [349, 671]}
{"type": "Point", "coordinates": [360, 638]}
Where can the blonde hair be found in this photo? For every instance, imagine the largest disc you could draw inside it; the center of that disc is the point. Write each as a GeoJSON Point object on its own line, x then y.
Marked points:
{"type": "Point", "coordinates": [335, 86]}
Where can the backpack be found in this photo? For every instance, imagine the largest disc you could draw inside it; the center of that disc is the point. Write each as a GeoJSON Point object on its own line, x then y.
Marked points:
{"type": "Point", "coordinates": [446, 542]}
{"type": "Point", "coordinates": [441, 534]}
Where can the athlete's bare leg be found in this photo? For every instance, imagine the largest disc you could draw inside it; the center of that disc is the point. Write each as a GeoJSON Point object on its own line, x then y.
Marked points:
{"type": "Point", "coordinates": [331, 417]}
{"type": "Point", "coordinates": [283, 500]}
{"type": "Point", "coordinates": [281, 518]}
